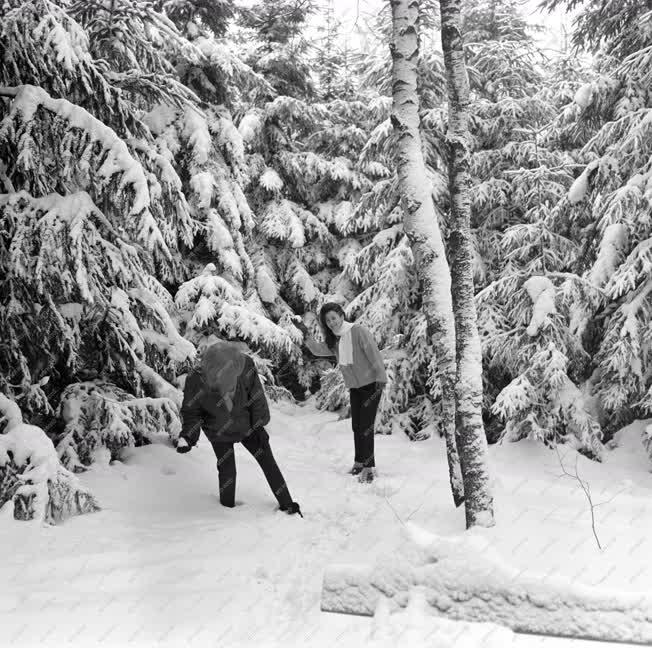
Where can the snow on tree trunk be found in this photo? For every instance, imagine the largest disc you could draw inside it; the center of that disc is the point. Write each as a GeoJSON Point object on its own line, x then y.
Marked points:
{"type": "Point", "coordinates": [470, 434]}
{"type": "Point", "coordinates": [31, 476]}
{"type": "Point", "coordinates": [421, 226]}
{"type": "Point", "coordinates": [462, 579]}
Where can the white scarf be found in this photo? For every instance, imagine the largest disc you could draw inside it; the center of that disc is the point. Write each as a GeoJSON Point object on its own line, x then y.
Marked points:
{"type": "Point", "coordinates": [346, 344]}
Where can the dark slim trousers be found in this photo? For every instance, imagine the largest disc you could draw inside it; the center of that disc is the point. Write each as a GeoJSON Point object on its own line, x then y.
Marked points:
{"type": "Point", "coordinates": [364, 405]}
{"type": "Point", "coordinates": [257, 443]}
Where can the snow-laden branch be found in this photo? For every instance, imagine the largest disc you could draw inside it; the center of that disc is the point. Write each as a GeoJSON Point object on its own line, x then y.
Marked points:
{"type": "Point", "coordinates": [27, 101]}
{"type": "Point", "coordinates": [10, 411]}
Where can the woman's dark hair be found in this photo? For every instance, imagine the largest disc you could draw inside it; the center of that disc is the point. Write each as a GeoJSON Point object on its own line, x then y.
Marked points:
{"type": "Point", "coordinates": [329, 336]}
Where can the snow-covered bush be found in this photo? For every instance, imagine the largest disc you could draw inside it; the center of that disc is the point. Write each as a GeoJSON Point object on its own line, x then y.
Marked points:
{"type": "Point", "coordinates": [32, 478]}
{"type": "Point", "coordinates": [530, 334]}
{"type": "Point", "coordinates": [100, 417]}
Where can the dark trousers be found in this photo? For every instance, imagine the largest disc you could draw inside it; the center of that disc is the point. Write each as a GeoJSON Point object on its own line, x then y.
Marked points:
{"type": "Point", "coordinates": [364, 405]}
{"type": "Point", "coordinates": [257, 443]}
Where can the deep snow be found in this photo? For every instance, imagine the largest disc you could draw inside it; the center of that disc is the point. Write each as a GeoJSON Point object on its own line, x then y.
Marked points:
{"type": "Point", "coordinates": [163, 564]}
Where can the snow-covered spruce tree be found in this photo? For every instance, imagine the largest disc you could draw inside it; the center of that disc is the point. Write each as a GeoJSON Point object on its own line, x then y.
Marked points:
{"type": "Point", "coordinates": [519, 177]}
{"type": "Point", "coordinates": [420, 221]}
{"type": "Point", "coordinates": [195, 136]}
{"type": "Point", "coordinates": [338, 140]}
{"type": "Point", "coordinates": [91, 216]}
{"type": "Point", "coordinates": [469, 428]}
{"type": "Point", "coordinates": [198, 17]}
{"type": "Point", "coordinates": [302, 180]}
{"type": "Point", "coordinates": [611, 200]}
{"type": "Point", "coordinates": [139, 44]}
{"type": "Point", "coordinates": [335, 61]}
{"type": "Point", "coordinates": [202, 145]}
{"type": "Point", "coordinates": [510, 165]}
{"type": "Point", "coordinates": [278, 49]}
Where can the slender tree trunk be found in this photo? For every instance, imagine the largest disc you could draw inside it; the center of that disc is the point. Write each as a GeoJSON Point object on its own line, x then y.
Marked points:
{"type": "Point", "coordinates": [470, 434]}
{"type": "Point", "coordinates": [421, 226]}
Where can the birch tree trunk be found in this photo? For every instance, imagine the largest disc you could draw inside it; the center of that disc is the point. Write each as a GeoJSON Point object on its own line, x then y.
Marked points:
{"type": "Point", "coordinates": [420, 222]}
{"type": "Point", "coordinates": [470, 434]}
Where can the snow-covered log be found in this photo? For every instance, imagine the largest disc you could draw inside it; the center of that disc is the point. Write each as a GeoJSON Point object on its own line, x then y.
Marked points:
{"type": "Point", "coordinates": [32, 477]}
{"type": "Point", "coordinates": [418, 626]}
{"type": "Point", "coordinates": [462, 580]}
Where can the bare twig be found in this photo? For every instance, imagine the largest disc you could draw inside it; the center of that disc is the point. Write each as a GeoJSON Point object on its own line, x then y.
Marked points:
{"type": "Point", "coordinates": [398, 517]}
{"type": "Point", "coordinates": [357, 15]}
{"type": "Point", "coordinates": [587, 492]}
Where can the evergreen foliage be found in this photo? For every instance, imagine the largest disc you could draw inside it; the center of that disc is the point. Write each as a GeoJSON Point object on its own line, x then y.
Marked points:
{"type": "Point", "coordinates": [610, 201]}
{"type": "Point", "coordinates": [177, 171]}
{"type": "Point", "coordinates": [382, 271]}
{"type": "Point", "coordinates": [527, 307]}
{"type": "Point", "coordinates": [122, 173]}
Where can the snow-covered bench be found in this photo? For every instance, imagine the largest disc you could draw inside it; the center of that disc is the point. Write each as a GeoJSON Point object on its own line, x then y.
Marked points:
{"type": "Point", "coordinates": [462, 579]}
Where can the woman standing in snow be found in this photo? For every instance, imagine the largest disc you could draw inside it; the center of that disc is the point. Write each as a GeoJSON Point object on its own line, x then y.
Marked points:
{"type": "Point", "coordinates": [364, 375]}
{"type": "Point", "coordinates": [224, 397]}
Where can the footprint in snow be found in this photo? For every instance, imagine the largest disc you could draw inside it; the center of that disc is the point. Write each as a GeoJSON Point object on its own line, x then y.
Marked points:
{"type": "Point", "coordinates": [385, 486]}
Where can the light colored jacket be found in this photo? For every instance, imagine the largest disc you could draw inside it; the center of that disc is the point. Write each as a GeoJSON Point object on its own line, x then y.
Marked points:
{"type": "Point", "coordinates": [368, 366]}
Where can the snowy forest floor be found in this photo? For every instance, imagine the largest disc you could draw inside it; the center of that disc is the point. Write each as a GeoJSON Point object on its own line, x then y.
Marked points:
{"type": "Point", "coordinates": [163, 564]}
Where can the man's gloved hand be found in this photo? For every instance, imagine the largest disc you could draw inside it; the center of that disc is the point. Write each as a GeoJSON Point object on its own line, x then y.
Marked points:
{"type": "Point", "coordinates": [183, 446]}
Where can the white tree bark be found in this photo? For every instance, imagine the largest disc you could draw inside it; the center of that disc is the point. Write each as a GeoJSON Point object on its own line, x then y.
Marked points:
{"type": "Point", "coordinates": [420, 220]}
{"type": "Point", "coordinates": [470, 434]}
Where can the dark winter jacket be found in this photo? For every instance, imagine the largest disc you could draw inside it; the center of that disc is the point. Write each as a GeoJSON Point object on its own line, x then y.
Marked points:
{"type": "Point", "coordinates": [204, 409]}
